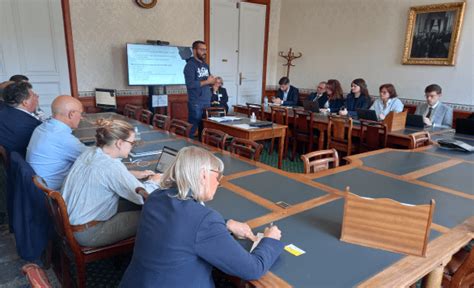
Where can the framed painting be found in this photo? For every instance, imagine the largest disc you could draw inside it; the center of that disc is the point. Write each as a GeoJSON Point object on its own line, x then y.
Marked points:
{"type": "Point", "coordinates": [432, 35]}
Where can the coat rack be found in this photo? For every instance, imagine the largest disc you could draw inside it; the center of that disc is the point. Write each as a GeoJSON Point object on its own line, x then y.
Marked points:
{"type": "Point", "coordinates": [289, 57]}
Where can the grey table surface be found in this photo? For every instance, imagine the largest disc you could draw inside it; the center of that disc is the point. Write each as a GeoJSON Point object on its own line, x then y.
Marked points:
{"type": "Point", "coordinates": [450, 210]}
{"type": "Point", "coordinates": [328, 262]}
{"type": "Point", "coordinates": [276, 187]}
{"type": "Point", "coordinates": [233, 165]}
{"type": "Point", "coordinates": [401, 162]}
{"type": "Point", "coordinates": [459, 177]}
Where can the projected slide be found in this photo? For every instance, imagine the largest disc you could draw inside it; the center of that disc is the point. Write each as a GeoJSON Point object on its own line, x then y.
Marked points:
{"type": "Point", "coordinates": [156, 65]}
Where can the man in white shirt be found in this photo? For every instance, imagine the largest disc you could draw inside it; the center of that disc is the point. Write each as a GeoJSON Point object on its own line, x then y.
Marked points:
{"type": "Point", "coordinates": [434, 112]}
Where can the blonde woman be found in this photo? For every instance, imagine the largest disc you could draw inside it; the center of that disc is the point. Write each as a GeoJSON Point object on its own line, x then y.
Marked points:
{"type": "Point", "coordinates": [99, 191]}
{"type": "Point", "coordinates": [180, 240]}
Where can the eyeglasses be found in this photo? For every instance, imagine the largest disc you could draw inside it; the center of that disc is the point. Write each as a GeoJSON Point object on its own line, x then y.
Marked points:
{"type": "Point", "coordinates": [133, 143]}
{"type": "Point", "coordinates": [219, 175]}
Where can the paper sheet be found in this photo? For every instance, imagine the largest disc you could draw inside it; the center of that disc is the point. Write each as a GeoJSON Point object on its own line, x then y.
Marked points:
{"type": "Point", "coordinates": [224, 119]}
{"type": "Point", "coordinates": [255, 243]}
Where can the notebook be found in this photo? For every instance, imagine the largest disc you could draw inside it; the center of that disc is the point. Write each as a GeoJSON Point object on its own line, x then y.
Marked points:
{"type": "Point", "coordinates": [312, 106]}
{"type": "Point", "coordinates": [415, 121]}
{"type": "Point", "coordinates": [367, 114]}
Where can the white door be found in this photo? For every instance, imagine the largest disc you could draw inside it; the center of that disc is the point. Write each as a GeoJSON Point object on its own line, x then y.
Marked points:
{"type": "Point", "coordinates": [237, 33]}
{"type": "Point", "coordinates": [32, 43]}
{"type": "Point", "coordinates": [251, 41]}
{"type": "Point", "coordinates": [224, 38]}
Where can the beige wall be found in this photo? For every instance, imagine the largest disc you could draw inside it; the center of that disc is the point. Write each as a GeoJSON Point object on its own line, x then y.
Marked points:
{"type": "Point", "coordinates": [273, 34]}
{"type": "Point", "coordinates": [347, 39]}
{"type": "Point", "coordinates": [101, 28]}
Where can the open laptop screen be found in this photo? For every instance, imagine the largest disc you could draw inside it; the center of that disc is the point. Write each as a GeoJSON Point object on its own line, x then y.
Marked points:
{"type": "Point", "coordinates": [167, 157]}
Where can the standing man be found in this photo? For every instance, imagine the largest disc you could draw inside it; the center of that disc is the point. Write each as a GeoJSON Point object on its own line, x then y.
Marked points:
{"type": "Point", "coordinates": [434, 112]}
{"type": "Point", "coordinates": [198, 80]}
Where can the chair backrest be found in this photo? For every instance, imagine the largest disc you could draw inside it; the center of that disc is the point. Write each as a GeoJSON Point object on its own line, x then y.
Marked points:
{"type": "Point", "coordinates": [340, 133]}
{"type": "Point", "coordinates": [420, 139]}
{"type": "Point", "coordinates": [180, 127]}
{"type": "Point", "coordinates": [58, 211]}
{"type": "Point", "coordinates": [161, 121]}
{"type": "Point", "coordinates": [215, 112]}
{"type": "Point", "coordinates": [130, 111]}
{"type": "Point", "coordinates": [464, 274]}
{"type": "Point", "coordinates": [387, 224]}
{"type": "Point", "coordinates": [142, 192]}
{"type": "Point", "coordinates": [303, 122]}
{"type": "Point", "coordinates": [257, 109]}
{"type": "Point", "coordinates": [395, 121]}
{"type": "Point", "coordinates": [145, 116]}
{"type": "Point", "coordinates": [373, 135]}
{"type": "Point", "coordinates": [280, 115]}
{"type": "Point", "coordinates": [213, 137]}
{"type": "Point", "coordinates": [246, 148]}
{"type": "Point", "coordinates": [320, 160]}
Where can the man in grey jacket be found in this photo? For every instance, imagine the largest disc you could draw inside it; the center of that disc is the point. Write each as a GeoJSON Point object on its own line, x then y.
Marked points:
{"type": "Point", "coordinates": [434, 112]}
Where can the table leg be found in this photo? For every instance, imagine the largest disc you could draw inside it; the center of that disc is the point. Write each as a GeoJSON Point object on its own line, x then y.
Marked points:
{"type": "Point", "coordinates": [435, 277]}
{"type": "Point", "coordinates": [281, 148]}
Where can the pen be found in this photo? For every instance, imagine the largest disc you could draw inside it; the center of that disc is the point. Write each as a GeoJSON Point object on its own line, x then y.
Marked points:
{"type": "Point", "coordinates": [271, 224]}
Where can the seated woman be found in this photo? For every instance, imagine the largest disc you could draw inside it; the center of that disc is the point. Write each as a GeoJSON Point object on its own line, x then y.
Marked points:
{"type": "Point", "coordinates": [219, 96]}
{"type": "Point", "coordinates": [335, 97]}
{"type": "Point", "coordinates": [96, 183]}
{"type": "Point", "coordinates": [387, 102]}
{"type": "Point", "coordinates": [179, 239]}
{"type": "Point", "coordinates": [358, 98]}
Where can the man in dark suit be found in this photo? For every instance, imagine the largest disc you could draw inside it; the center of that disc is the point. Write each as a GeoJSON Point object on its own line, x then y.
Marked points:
{"type": "Point", "coordinates": [287, 95]}
{"type": "Point", "coordinates": [320, 94]}
{"type": "Point", "coordinates": [17, 118]}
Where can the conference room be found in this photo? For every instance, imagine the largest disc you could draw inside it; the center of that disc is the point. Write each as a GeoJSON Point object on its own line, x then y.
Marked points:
{"type": "Point", "coordinates": [228, 143]}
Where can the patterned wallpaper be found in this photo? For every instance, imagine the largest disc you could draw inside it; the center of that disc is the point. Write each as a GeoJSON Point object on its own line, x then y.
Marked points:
{"type": "Point", "coordinates": [348, 39]}
{"type": "Point", "coordinates": [101, 28]}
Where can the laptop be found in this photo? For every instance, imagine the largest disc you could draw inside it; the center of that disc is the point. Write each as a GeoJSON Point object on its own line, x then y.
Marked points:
{"type": "Point", "coordinates": [415, 121]}
{"type": "Point", "coordinates": [312, 106]}
{"type": "Point", "coordinates": [367, 114]}
{"type": "Point", "coordinates": [465, 126]}
{"type": "Point", "coordinates": [261, 124]}
{"type": "Point", "coordinates": [165, 159]}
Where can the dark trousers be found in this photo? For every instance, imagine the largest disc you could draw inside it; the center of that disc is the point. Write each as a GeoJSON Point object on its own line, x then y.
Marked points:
{"type": "Point", "coordinates": [195, 115]}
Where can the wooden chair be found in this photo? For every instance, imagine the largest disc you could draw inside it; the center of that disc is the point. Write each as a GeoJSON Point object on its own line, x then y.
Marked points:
{"type": "Point", "coordinates": [387, 224]}
{"type": "Point", "coordinates": [373, 135]}
{"type": "Point", "coordinates": [213, 137]}
{"type": "Point", "coordinates": [161, 121]}
{"type": "Point", "coordinates": [420, 139]}
{"type": "Point", "coordinates": [215, 112]}
{"type": "Point", "coordinates": [180, 127]}
{"type": "Point", "coordinates": [246, 148]}
{"type": "Point", "coordinates": [257, 109]}
{"type": "Point", "coordinates": [69, 247]}
{"type": "Point", "coordinates": [320, 160]}
{"type": "Point", "coordinates": [340, 134]}
{"type": "Point", "coordinates": [142, 192]}
{"type": "Point", "coordinates": [130, 111]}
{"type": "Point", "coordinates": [36, 276]}
{"type": "Point", "coordinates": [303, 131]}
{"type": "Point", "coordinates": [459, 273]}
{"type": "Point", "coordinates": [280, 116]}
{"type": "Point", "coordinates": [145, 116]}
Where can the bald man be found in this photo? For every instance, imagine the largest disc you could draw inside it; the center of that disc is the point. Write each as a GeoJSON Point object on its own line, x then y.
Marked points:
{"type": "Point", "coordinates": [53, 149]}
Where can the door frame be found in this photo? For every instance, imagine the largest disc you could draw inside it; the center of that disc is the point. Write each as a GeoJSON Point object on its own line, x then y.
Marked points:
{"type": "Point", "coordinates": [71, 62]}
{"type": "Point", "coordinates": [207, 33]}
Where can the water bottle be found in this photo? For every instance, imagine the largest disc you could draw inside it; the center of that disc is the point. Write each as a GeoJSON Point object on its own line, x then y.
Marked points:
{"type": "Point", "coordinates": [137, 134]}
{"type": "Point", "coordinates": [265, 101]}
{"type": "Point", "coordinates": [253, 118]}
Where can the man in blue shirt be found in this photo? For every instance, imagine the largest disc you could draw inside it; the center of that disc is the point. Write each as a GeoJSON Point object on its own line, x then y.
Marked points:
{"type": "Point", "coordinates": [53, 149]}
{"type": "Point", "coordinates": [198, 80]}
{"type": "Point", "coordinates": [17, 120]}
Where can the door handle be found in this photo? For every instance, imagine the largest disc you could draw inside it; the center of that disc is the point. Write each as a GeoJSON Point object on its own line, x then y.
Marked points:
{"type": "Point", "coordinates": [241, 78]}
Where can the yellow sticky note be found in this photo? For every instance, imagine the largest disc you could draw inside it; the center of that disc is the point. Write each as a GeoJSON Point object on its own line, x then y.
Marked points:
{"type": "Point", "coordinates": [292, 249]}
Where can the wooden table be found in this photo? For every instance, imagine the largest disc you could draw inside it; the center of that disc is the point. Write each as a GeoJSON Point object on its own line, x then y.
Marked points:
{"type": "Point", "coordinates": [254, 134]}
{"type": "Point", "coordinates": [250, 192]}
{"type": "Point", "coordinates": [398, 139]}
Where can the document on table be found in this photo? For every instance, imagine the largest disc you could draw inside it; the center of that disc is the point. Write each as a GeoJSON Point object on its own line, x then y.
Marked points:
{"type": "Point", "coordinates": [255, 243]}
{"type": "Point", "coordinates": [224, 119]}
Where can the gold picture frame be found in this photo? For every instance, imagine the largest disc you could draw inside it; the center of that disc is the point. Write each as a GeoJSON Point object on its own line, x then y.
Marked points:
{"type": "Point", "coordinates": [432, 35]}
